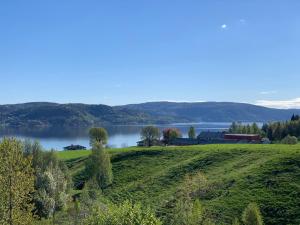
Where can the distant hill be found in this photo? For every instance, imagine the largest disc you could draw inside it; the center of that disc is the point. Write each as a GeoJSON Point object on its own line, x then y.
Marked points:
{"type": "Point", "coordinates": [213, 111]}
{"type": "Point", "coordinates": [44, 114]}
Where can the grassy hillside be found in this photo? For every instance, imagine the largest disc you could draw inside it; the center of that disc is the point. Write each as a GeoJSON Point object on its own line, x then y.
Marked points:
{"type": "Point", "coordinates": [237, 175]}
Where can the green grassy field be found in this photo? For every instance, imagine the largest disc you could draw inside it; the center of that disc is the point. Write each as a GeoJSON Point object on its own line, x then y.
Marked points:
{"type": "Point", "coordinates": [237, 175]}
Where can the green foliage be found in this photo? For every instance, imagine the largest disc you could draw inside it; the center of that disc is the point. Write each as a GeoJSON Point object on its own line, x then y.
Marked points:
{"type": "Point", "coordinates": [98, 135]}
{"type": "Point", "coordinates": [16, 184]}
{"type": "Point", "coordinates": [150, 135]}
{"type": "Point", "coordinates": [252, 215]}
{"type": "Point", "coordinates": [192, 133]}
{"type": "Point", "coordinates": [235, 174]}
{"type": "Point", "coordinates": [278, 130]}
{"type": "Point", "coordinates": [171, 133]}
{"type": "Point", "coordinates": [125, 214]}
{"type": "Point", "coordinates": [239, 128]}
{"type": "Point", "coordinates": [185, 208]}
{"type": "Point", "coordinates": [98, 166]}
{"type": "Point", "coordinates": [236, 221]}
{"type": "Point", "coordinates": [52, 182]}
{"type": "Point", "coordinates": [289, 140]}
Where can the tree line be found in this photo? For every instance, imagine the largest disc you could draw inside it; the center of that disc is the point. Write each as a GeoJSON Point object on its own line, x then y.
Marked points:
{"type": "Point", "coordinates": [285, 132]}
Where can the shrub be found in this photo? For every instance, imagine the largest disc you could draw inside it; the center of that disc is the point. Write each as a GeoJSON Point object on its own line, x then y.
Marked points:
{"type": "Point", "coordinates": [289, 140]}
{"type": "Point", "coordinates": [252, 215]}
{"type": "Point", "coordinates": [125, 214]}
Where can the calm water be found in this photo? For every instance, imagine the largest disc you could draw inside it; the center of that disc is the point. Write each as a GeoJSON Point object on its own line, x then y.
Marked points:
{"type": "Point", "coordinates": [119, 136]}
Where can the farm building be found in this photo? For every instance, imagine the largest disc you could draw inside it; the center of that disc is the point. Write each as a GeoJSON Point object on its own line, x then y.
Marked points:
{"type": "Point", "coordinates": [243, 137]}
{"type": "Point", "coordinates": [74, 147]}
{"type": "Point", "coordinates": [183, 141]}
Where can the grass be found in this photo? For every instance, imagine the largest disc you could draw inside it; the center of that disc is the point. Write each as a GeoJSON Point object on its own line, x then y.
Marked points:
{"type": "Point", "coordinates": [237, 175]}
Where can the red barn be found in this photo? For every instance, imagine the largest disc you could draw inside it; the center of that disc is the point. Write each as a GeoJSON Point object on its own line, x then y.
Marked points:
{"type": "Point", "coordinates": [243, 137]}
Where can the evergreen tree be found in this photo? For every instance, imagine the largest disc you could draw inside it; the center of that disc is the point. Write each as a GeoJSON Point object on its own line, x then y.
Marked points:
{"type": "Point", "coordinates": [252, 215]}
{"type": "Point", "coordinates": [192, 133]}
{"type": "Point", "coordinates": [16, 184]}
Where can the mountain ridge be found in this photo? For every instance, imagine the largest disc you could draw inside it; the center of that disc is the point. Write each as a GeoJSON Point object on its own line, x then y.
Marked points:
{"type": "Point", "coordinates": [49, 114]}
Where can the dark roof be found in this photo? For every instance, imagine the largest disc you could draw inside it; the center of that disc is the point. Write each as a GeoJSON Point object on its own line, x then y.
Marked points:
{"type": "Point", "coordinates": [74, 147]}
{"type": "Point", "coordinates": [183, 141]}
{"type": "Point", "coordinates": [211, 135]}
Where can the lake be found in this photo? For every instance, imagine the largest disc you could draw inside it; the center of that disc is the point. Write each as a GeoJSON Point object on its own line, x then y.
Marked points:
{"type": "Point", "coordinates": [119, 136]}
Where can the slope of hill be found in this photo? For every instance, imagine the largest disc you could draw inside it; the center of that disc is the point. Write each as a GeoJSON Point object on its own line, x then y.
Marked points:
{"type": "Point", "coordinates": [213, 111]}
{"type": "Point", "coordinates": [69, 115]}
{"type": "Point", "coordinates": [236, 175]}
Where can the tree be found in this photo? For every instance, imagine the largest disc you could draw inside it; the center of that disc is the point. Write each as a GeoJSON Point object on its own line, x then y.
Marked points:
{"type": "Point", "coordinates": [252, 215]}
{"type": "Point", "coordinates": [171, 133]}
{"type": "Point", "coordinates": [16, 183]}
{"type": "Point", "coordinates": [52, 181]}
{"type": "Point", "coordinates": [150, 135]}
{"type": "Point", "coordinates": [295, 117]}
{"type": "Point", "coordinates": [98, 166]}
{"type": "Point", "coordinates": [192, 133]}
{"type": "Point", "coordinates": [98, 135]}
{"type": "Point", "coordinates": [125, 214]}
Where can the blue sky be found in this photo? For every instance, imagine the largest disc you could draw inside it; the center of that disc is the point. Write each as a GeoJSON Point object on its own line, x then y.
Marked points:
{"type": "Point", "coordinates": [119, 52]}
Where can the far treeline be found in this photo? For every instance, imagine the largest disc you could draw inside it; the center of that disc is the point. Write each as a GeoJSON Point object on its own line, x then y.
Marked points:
{"type": "Point", "coordinates": [36, 188]}
{"type": "Point", "coordinates": [287, 131]}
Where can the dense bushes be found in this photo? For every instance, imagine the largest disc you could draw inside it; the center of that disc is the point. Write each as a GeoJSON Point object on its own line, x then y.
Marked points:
{"type": "Point", "coordinates": [125, 214]}
{"type": "Point", "coordinates": [289, 140]}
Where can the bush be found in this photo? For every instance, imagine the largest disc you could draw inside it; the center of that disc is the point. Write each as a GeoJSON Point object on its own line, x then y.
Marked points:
{"type": "Point", "coordinates": [252, 215]}
{"type": "Point", "coordinates": [125, 214]}
{"type": "Point", "coordinates": [289, 140]}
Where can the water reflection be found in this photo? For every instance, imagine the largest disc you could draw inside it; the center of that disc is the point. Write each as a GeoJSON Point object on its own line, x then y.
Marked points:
{"type": "Point", "coordinates": [119, 136]}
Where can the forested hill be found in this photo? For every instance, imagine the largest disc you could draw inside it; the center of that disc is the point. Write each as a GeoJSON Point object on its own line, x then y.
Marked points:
{"type": "Point", "coordinates": [214, 111]}
{"type": "Point", "coordinates": [43, 114]}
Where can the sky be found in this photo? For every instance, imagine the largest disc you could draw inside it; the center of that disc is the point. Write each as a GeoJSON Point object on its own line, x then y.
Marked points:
{"type": "Point", "coordinates": [118, 52]}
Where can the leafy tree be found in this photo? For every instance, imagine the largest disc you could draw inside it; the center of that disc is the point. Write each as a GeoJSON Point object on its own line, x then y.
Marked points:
{"type": "Point", "coordinates": [289, 140]}
{"type": "Point", "coordinates": [171, 133]}
{"type": "Point", "coordinates": [52, 181]}
{"type": "Point", "coordinates": [150, 135]}
{"type": "Point", "coordinates": [252, 215]}
{"type": "Point", "coordinates": [98, 135]}
{"type": "Point", "coordinates": [125, 214]}
{"type": "Point", "coordinates": [16, 183]}
{"type": "Point", "coordinates": [98, 166]}
{"type": "Point", "coordinates": [185, 208]}
{"type": "Point", "coordinates": [192, 133]}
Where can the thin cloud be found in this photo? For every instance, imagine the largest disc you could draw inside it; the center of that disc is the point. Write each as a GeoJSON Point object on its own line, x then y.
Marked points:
{"type": "Point", "coordinates": [280, 104]}
{"type": "Point", "coordinates": [267, 92]}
